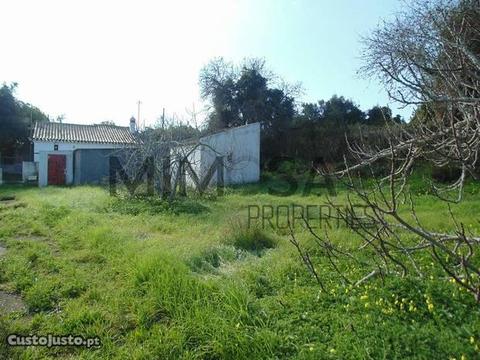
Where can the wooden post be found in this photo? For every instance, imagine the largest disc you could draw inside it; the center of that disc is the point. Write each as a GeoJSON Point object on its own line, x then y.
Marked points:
{"type": "Point", "coordinates": [182, 185]}
{"type": "Point", "coordinates": [220, 175]}
{"type": "Point", "coordinates": [166, 177]}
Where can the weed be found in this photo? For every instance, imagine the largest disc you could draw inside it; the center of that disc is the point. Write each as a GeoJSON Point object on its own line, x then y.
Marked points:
{"type": "Point", "coordinates": [210, 259]}
{"type": "Point", "coordinates": [249, 237]}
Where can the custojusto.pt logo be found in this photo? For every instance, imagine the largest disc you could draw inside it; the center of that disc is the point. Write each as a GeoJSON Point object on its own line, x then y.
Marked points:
{"type": "Point", "coordinates": [50, 340]}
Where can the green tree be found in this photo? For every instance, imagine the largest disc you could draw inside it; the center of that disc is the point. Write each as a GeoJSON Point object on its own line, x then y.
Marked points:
{"type": "Point", "coordinates": [244, 95]}
{"type": "Point", "coordinates": [312, 111]}
{"type": "Point", "coordinates": [16, 117]}
{"type": "Point", "coordinates": [217, 84]}
{"type": "Point", "coordinates": [381, 115]}
{"type": "Point", "coordinates": [341, 111]}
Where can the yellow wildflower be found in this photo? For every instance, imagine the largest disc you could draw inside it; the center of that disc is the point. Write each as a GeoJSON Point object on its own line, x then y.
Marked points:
{"type": "Point", "coordinates": [430, 307]}
{"type": "Point", "coordinates": [429, 304]}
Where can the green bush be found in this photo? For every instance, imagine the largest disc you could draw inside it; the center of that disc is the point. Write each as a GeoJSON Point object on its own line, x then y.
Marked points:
{"type": "Point", "coordinates": [136, 205]}
{"type": "Point", "coordinates": [212, 258]}
{"type": "Point", "coordinates": [249, 237]}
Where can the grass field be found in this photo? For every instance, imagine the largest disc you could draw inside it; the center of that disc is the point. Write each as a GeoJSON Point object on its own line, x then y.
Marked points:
{"type": "Point", "coordinates": [191, 280]}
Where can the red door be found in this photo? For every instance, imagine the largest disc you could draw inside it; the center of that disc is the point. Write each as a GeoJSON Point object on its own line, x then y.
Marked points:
{"type": "Point", "coordinates": [56, 169]}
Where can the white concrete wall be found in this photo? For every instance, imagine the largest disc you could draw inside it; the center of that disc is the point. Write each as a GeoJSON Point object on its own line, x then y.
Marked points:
{"type": "Point", "coordinates": [240, 148]}
{"type": "Point", "coordinates": [39, 146]}
{"type": "Point", "coordinates": [41, 150]}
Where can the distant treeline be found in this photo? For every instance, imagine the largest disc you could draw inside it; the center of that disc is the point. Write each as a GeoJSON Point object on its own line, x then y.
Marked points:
{"type": "Point", "coordinates": [303, 133]}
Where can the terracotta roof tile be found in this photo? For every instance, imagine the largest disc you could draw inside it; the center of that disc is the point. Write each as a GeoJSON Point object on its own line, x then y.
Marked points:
{"type": "Point", "coordinates": [101, 134]}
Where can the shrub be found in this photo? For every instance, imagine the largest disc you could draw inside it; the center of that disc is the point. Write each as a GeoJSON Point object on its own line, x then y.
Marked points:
{"type": "Point", "coordinates": [249, 237]}
{"type": "Point", "coordinates": [212, 258]}
{"type": "Point", "coordinates": [152, 205]}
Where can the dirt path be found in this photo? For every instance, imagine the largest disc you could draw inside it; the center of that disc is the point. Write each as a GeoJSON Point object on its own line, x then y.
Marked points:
{"type": "Point", "coordinates": [10, 303]}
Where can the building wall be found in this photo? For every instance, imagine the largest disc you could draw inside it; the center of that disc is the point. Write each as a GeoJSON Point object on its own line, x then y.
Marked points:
{"type": "Point", "coordinates": [92, 166]}
{"type": "Point", "coordinates": [43, 166]}
{"type": "Point", "coordinates": [39, 146]}
{"type": "Point", "coordinates": [240, 148]}
{"type": "Point", "coordinates": [41, 150]}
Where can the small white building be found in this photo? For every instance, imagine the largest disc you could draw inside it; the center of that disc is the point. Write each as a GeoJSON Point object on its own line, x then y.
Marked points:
{"type": "Point", "coordinates": [55, 146]}
{"type": "Point", "coordinates": [239, 147]}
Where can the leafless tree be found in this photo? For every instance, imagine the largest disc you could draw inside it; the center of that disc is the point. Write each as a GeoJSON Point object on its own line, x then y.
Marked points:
{"type": "Point", "coordinates": [428, 56]}
{"type": "Point", "coordinates": [177, 155]}
{"type": "Point", "coordinates": [165, 148]}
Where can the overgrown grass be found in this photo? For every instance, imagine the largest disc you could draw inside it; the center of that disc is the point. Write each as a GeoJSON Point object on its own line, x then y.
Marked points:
{"type": "Point", "coordinates": [249, 236]}
{"type": "Point", "coordinates": [192, 279]}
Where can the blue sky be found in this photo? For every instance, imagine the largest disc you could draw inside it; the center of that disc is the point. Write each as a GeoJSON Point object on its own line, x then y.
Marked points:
{"type": "Point", "coordinates": [93, 61]}
{"type": "Point", "coordinates": [318, 43]}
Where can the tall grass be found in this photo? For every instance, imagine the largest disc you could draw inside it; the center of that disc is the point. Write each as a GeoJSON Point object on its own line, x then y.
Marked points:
{"type": "Point", "coordinates": [249, 236]}
{"type": "Point", "coordinates": [157, 283]}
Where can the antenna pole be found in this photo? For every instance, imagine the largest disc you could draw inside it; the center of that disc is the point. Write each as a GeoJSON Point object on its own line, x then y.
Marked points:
{"type": "Point", "coordinates": [163, 119]}
{"type": "Point", "coordinates": [138, 114]}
